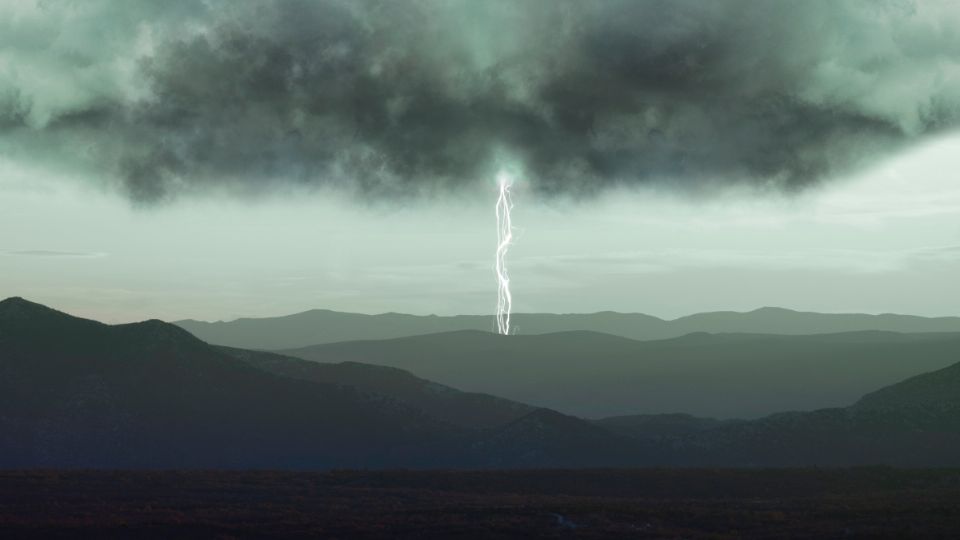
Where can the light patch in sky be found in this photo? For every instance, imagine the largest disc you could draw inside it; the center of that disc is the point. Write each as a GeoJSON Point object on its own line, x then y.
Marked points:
{"type": "Point", "coordinates": [887, 240]}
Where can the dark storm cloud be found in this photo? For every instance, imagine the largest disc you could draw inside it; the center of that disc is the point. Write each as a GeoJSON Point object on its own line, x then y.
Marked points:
{"type": "Point", "coordinates": [390, 98]}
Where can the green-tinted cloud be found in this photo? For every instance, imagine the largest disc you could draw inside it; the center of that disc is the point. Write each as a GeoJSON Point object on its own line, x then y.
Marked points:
{"type": "Point", "coordinates": [388, 98]}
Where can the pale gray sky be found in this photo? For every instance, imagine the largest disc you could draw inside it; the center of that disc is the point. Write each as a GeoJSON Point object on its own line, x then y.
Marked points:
{"type": "Point", "coordinates": [886, 240]}
{"type": "Point", "coordinates": [223, 158]}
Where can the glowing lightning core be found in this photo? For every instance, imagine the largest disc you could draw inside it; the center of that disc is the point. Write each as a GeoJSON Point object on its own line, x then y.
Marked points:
{"type": "Point", "coordinates": [504, 237]}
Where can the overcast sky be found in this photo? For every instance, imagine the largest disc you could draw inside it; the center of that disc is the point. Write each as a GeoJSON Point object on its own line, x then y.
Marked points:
{"type": "Point", "coordinates": [221, 159]}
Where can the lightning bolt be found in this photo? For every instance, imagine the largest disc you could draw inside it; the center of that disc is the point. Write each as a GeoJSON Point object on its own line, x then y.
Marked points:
{"type": "Point", "coordinates": [504, 238]}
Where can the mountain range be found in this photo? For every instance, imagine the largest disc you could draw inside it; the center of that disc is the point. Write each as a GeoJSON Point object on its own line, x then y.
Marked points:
{"type": "Point", "coordinates": [78, 393]}
{"type": "Point", "coordinates": [596, 375]}
{"type": "Point", "coordinates": [319, 326]}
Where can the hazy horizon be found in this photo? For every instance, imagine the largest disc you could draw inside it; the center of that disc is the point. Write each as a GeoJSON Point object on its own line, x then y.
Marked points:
{"type": "Point", "coordinates": [491, 315]}
{"type": "Point", "coordinates": [852, 246]}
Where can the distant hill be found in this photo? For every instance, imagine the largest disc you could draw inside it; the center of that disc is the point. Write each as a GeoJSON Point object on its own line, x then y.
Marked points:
{"type": "Point", "coordinates": [914, 423]}
{"type": "Point", "coordinates": [935, 391]}
{"type": "Point", "coordinates": [321, 326]}
{"type": "Point", "coordinates": [598, 375]}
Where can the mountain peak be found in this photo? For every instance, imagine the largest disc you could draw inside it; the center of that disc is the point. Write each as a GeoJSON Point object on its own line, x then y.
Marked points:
{"type": "Point", "coordinates": [16, 301]}
{"type": "Point", "coordinates": [19, 307]}
{"type": "Point", "coordinates": [159, 330]}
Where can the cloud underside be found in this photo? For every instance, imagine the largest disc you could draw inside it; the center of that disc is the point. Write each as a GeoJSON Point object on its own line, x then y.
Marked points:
{"type": "Point", "coordinates": [393, 99]}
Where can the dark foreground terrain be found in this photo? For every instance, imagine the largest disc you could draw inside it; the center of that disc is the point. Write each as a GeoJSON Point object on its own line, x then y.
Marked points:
{"type": "Point", "coordinates": [652, 503]}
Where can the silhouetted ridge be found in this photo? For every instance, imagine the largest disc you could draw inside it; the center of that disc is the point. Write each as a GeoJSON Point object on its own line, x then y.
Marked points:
{"type": "Point", "coordinates": [16, 301]}
{"type": "Point", "coordinates": [16, 307]}
{"type": "Point", "coordinates": [938, 390]}
{"type": "Point", "coordinates": [155, 329]}
{"type": "Point", "coordinates": [77, 393]}
{"type": "Point", "coordinates": [28, 322]}
{"type": "Point", "coordinates": [465, 409]}
{"type": "Point", "coordinates": [28, 325]}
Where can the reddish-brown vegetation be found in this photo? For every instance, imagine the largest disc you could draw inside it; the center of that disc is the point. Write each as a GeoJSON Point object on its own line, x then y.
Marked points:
{"type": "Point", "coordinates": [868, 502]}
